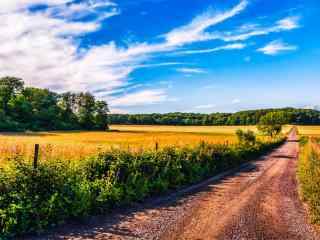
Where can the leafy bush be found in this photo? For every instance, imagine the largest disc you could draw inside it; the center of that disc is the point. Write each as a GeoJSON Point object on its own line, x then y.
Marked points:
{"type": "Point", "coordinates": [33, 200]}
{"type": "Point", "coordinates": [246, 138]}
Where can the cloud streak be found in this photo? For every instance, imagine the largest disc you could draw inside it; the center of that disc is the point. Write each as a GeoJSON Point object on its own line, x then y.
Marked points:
{"type": "Point", "coordinates": [248, 31]}
{"type": "Point", "coordinates": [191, 70]}
{"type": "Point", "coordinates": [276, 47]}
{"type": "Point", "coordinates": [211, 50]}
{"type": "Point", "coordinates": [196, 30]}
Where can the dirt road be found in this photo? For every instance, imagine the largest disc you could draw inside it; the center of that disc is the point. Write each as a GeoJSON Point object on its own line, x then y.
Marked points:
{"type": "Point", "coordinates": [259, 202]}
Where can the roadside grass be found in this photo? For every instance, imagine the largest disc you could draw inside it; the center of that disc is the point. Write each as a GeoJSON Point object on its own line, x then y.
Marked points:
{"type": "Point", "coordinates": [309, 175]}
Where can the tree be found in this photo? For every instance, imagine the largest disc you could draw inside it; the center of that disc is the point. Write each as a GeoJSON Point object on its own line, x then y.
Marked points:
{"type": "Point", "coordinates": [9, 87]}
{"type": "Point", "coordinates": [101, 115]}
{"type": "Point", "coordinates": [68, 106]}
{"type": "Point", "coordinates": [86, 109]}
{"type": "Point", "coordinates": [271, 123]}
{"type": "Point", "coordinates": [45, 110]}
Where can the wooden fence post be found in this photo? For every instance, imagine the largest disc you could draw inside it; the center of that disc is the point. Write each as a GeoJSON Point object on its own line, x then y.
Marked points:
{"type": "Point", "coordinates": [36, 156]}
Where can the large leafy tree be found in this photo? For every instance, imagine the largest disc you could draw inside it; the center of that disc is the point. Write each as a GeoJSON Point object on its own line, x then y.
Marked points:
{"type": "Point", "coordinates": [9, 87]}
{"type": "Point", "coordinates": [41, 109]}
{"type": "Point", "coordinates": [45, 110]}
{"type": "Point", "coordinates": [86, 109]}
{"type": "Point", "coordinates": [271, 124]}
{"type": "Point", "coordinates": [68, 107]}
{"type": "Point", "coordinates": [101, 115]}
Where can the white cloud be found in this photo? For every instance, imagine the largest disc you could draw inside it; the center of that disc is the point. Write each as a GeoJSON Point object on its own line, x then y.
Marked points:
{"type": "Point", "coordinates": [211, 50]}
{"type": "Point", "coordinates": [18, 5]}
{"type": "Point", "coordinates": [190, 70]}
{"type": "Point", "coordinates": [235, 101]}
{"type": "Point", "coordinates": [164, 64]}
{"type": "Point", "coordinates": [251, 30]}
{"type": "Point", "coordinates": [43, 47]}
{"type": "Point", "coordinates": [141, 98]}
{"type": "Point", "coordinates": [195, 31]}
{"type": "Point", "coordinates": [288, 23]}
{"type": "Point", "coordinates": [84, 9]}
{"type": "Point", "coordinates": [44, 51]}
{"type": "Point", "coordinates": [207, 106]}
{"type": "Point", "coordinates": [118, 111]}
{"type": "Point", "coordinates": [275, 47]}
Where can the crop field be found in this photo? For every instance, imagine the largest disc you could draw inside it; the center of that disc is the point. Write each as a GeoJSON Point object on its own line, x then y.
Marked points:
{"type": "Point", "coordinates": [309, 130]}
{"type": "Point", "coordinates": [79, 144]}
{"type": "Point", "coordinates": [224, 130]}
{"type": "Point", "coordinates": [75, 145]}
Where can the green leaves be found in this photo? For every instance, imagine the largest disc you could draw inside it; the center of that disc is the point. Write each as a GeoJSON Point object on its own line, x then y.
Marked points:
{"type": "Point", "coordinates": [34, 200]}
{"type": "Point", "coordinates": [271, 123]}
{"type": "Point", "coordinates": [30, 108]}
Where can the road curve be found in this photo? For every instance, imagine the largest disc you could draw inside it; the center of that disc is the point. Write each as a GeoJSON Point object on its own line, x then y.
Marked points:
{"type": "Point", "coordinates": [259, 202]}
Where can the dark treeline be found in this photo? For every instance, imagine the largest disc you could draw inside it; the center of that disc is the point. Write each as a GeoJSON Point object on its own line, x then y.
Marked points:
{"type": "Point", "coordinates": [252, 117]}
{"type": "Point", "coordinates": [29, 108]}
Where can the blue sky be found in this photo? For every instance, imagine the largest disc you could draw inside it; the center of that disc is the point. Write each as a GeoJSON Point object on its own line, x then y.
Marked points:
{"type": "Point", "coordinates": [167, 55]}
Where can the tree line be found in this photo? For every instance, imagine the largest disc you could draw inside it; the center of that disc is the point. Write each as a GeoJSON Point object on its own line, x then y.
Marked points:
{"type": "Point", "coordinates": [251, 117]}
{"type": "Point", "coordinates": [30, 108]}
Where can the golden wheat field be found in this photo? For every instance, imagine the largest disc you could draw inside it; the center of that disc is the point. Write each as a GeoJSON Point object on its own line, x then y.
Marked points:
{"type": "Point", "coordinates": [75, 145]}
{"type": "Point", "coordinates": [183, 129]}
{"type": "Point", "coordinates": [309, 130]}
{"type": "Point", "coordinates": [79, 144]}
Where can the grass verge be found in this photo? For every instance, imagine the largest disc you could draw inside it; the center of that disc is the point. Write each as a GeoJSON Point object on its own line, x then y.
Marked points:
{"type": "Point", "coordinates": [309, 176]}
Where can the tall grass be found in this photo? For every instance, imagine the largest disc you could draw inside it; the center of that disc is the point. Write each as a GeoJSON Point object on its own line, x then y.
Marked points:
{"type": "Point", "coordinates": [309, 175]}
{"type": "Point", "coordinates": [33, 200]}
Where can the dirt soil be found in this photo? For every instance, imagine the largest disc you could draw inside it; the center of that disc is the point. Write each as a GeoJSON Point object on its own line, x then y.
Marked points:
{"type": "Point", "coordinates": [258, 202]}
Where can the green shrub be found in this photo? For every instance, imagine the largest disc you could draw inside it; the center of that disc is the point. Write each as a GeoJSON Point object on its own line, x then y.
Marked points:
{"type": "Point", "coordinates": [33, 200]}
{"type": "Point", "coordinates": [246, 138]}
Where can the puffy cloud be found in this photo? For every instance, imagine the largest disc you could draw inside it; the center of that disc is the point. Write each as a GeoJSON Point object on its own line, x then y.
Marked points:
{"type": "Point", "coordinates": [44, 50]}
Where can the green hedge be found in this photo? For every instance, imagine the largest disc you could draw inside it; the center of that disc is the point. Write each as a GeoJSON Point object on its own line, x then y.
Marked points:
{"type": "Point", "coordinates": [33, 200]}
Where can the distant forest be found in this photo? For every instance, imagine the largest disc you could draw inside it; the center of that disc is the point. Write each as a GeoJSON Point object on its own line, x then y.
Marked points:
{"type": "Point", "coordinates": [28, 108]}
{"type": "Point", "coordinates": [252, 117]}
